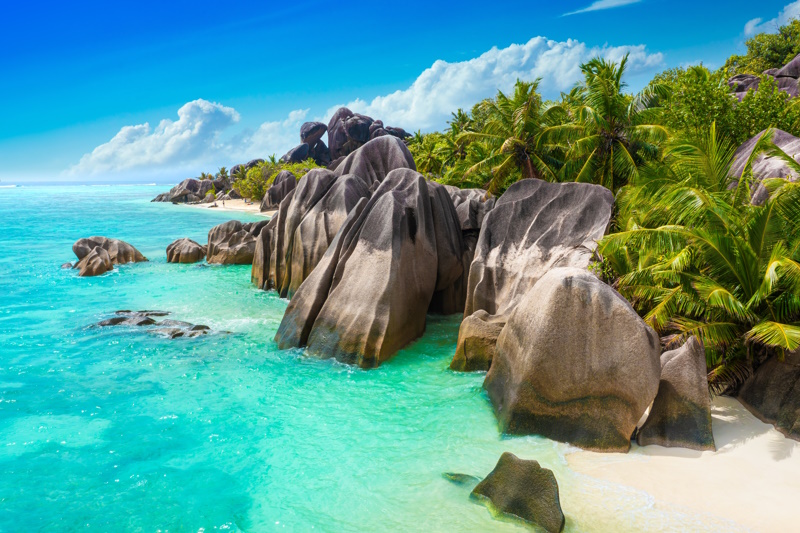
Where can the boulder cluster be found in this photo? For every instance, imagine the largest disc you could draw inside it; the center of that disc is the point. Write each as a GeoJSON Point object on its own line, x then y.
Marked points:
{"type": "Point", "coordinates": [170, 329]}
{"type": "Point", "coordinates": [347, 131]}
{"type": "Point", "coordinates": [98, 255]}
{"type": "Point", "coordinates": [196, 191]}
{"type": "Point", "coordinates": [785, 77]}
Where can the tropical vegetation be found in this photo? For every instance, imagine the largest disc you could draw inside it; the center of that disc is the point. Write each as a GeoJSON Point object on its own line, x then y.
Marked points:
{"type": "Point", "coordinates": [688, 246]}
{"type": "Point", "coordinates": [253, 183]}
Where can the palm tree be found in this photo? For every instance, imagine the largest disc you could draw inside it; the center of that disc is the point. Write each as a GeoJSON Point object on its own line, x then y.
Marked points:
{"type": "Point", "coordinates": [222, 172]}
{"type": "Point", "coordinates": [611, 134]}
{"type": "Point", "coordinates": [699, 259]}
{"type": "Point", "coordinates": [423, 148]}
{"type": "Point", "coordinates": [513, 125]}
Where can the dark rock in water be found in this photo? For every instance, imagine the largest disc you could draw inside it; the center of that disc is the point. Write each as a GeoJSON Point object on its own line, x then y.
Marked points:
{"type": "Point", "coordinates": [574, 363]}
{"type": "Point", "coordinates": [284, 183]}
{"type": "Point", "coordinates": [141, 313]}
{"type": "Point", "coordinates": [681, 413]}
{"type": "Point", "coordinates": [175, 324]}
{"type": "Point", "coordinates": [133, 320]}
{"type": "Point", "coordinates": [119, 252]}
{"type": "Point", "coordinates": [772, 394]}
{"type": "Point", "coordinates": [524, 490]}
{"type": "Point", "coordinates": [297, 154]}
{"type": "Point", "coordinates": [373, 161]}
{"type": "Point", "coordinates": [94, 263]}
{"type": "Point", "coordinates": [368, 296]}
{"type": "Point", "coordinates": [199, 327]}
{"type": "Point", "coordinates": [312, 132]}
{"type": "Point", "coordinates": [230, 244]}
{"type": "Point", "coordinates": [765, 166]}
{"type": "Point", "coordinates": [461, 479]}
{"type": "Point", "coordinates": [189, 190]}
{"type": "Point", "coordinates": [66, 265]}
{"type": "Point", "coordinates": [790, 69]}
{"type": "Point", "coordinates": [477, 338]}
{"type": "Point", "coordinates": [185, 251]}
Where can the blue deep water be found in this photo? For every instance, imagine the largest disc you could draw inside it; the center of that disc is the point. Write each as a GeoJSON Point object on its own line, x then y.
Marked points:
{"type": "Point", "coordinates": [115, 429]}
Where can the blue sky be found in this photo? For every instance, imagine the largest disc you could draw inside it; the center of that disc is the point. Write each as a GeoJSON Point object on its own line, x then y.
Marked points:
{"type": "Point", "coordinates": [93, 91]}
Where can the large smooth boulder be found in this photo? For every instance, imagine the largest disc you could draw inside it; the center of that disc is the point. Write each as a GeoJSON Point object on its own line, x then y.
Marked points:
{"type": "Point", "coordinates": [524, 490]}
{"type": "Point", "coordinates": [94, 263]}
{"type": "Point", "coordinates": [312, 132]}
{"type": "Point", "coordinates": [477, 338]}
{"type": "Point", "coordinates": [337, 133]}
{"type": "Point", "coordinates": [741, 83]}
{"type": "Point", "coordinates": [119, 252]}
{"type": "Point", "coordinates": [189, 190]}
{"type": "Point", "coordinates": [230, 244]}
{"type": "Point", "coordinates": [681, 413]}
{"type": "Point", "coordinates": [368, 296]}
{"type": "Point", "coordinates": [321, 154]}
{"type": "Point", "coordinates": [297, 154]}
{"type": "Point", "coordinates": [284, 183]}
{"type": "Point", "coordinates": [765, 166]}
{"type": "Point", "coordinates": [790, 69]}
{"type": "Point", "coordinates": [319, 226]}
{"type": "Point", "coordinates": [357, 128]}
{"type": "Point", "coordinates": [574, 363]}
{"type": "Point", "coordinates": [772, 393]}
{"type": "Point", "coordinates": [373, 161]}
{"type": "Point", "coordinates": [259, 275]}
{"type": "Point", "coordinates": [185, 251]}
{"type": "Point", "coordinates": [534, 226]}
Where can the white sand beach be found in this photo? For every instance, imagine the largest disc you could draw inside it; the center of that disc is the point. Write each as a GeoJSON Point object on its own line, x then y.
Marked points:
{"type": "Point", "coordinates": [753, 478]}
{"type": "Point", "coordinates": [236, 205]}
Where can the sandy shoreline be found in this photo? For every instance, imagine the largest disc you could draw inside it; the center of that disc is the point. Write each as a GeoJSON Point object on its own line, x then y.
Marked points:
{"type": "Point", "coordinates": [752, 479]}
{"type": "Point", "coordinates": [236, 206]}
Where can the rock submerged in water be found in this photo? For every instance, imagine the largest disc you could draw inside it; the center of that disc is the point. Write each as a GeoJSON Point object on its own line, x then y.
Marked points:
{"type": "Point", "coordinates": [524, 490]}
{"type": "Point", "coordinates": [681, 412]}
{"type": "Point", "coordinates": [230, 244]}
{"type": "Point", "coordinates": [575, 363]}
{"type": "Point", "coordinates": [98, 255]}
{"type": "Point", "coordinates": [185, 251]}
{"type": "Point", "coordinates": [477, 338]}
{"type": "Point", "coordinates": [171, 329]}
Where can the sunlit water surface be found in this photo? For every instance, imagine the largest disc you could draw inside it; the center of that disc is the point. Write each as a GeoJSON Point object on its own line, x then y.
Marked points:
{"type": "Point", "coordinates": [119, 430]}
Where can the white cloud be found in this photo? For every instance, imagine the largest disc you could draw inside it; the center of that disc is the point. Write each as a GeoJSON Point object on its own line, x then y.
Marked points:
{"type": "Point", "coordinates": [181, 142]}
{"type": "Point", "coordinates": [600, 5]}
{"type": "Point", "coordinates": [444, 87]}
{"type": "Point", "coordinates": [789, 12]}
{"type": "Point", "coordinates": [195, 141]}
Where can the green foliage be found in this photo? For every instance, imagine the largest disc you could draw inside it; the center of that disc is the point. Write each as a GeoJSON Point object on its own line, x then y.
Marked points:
{"type": "Point", "coordinates": [222, 172]}
{"type": "Point", "coordinates": [766, 51]}
{"type": "Point", "coordinates": [696, 258]}
{"type": "Point", "coordinates": [698, 98]}
{"type": "Point", "coordinates": [254, 183]}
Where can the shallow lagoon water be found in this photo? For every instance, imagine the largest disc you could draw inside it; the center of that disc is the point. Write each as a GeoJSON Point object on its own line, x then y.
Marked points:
{"type": "Point", "coordinates": [112, 429]}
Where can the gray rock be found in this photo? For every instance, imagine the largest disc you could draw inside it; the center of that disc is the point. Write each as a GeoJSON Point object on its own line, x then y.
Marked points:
{"type": "Point", "coordinates": [94, 263]}
{"type": "Point", "coordinates": [681, 413]}
{"type": "Point", "coordinates": [477, 338]}
{"type": "Point", "coordinates": [790, 69]}
{"type": "Point", "coordinates": [119, 252]}
{"type": "Point", "coordinates": [743, 82]}
{"type": "Point", "coordinates": [230, 244]}
{"type": "Point", "coordinates": [523, 490]}
{"type": "Point", "coordinates": [368, 296]}
{"type": "Point", "coordinates": [252, 163]}
{"type": "Point", "coordinates": [373, 161]}
{"type": "Point", "coordinates": [321, 154]}
{"type": "Point", "coordinates": [282, 185]}
{"type": "Point", "coordinates": [185, 251]}
{"type": "Point", "coordinates": [337, 134]}
{"type": "Point", "coordinates": [189, 190]}
{"type": "Point", "coordinates": [574, 363]}
{"type": "Point", "coordinates": [312, 132]}
{"type": "Point", "coordinates": [765, 166]}
{"type": "Point", "coordinates": [772, 393]}
{"type": "Point", "coordinates": [787, 85]}
{"type": "Point", "coordinates": [297, 154]}
{"type": "Point", "coordinates": [259, 275]}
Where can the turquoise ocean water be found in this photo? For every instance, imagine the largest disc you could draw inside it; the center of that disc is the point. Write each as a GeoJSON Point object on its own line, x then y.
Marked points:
{"type": "Point", "coordinates": [118, 430]}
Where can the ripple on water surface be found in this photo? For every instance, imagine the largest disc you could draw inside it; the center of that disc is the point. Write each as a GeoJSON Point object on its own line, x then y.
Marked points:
{"type": "Point", "coordinates": [124, 431]}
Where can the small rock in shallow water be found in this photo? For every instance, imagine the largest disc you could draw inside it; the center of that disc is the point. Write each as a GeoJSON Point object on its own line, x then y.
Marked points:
{"type": "Point", "coordinates": [522, 489]}
{"type": "Point", "coordinates": [461, 479]}
{"type": "Point", "coordinates": [66, 265]}
{"type": "Point", "coordinates": [128, 321]}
